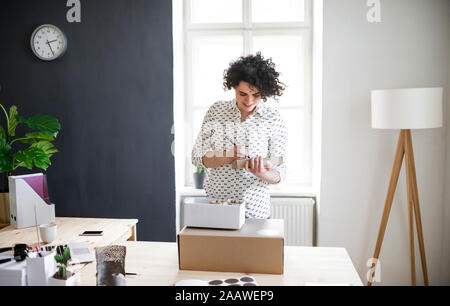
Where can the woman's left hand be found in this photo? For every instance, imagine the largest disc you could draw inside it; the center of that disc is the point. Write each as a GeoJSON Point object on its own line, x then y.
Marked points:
{"type": "Point", "coordinates": [256, 166]}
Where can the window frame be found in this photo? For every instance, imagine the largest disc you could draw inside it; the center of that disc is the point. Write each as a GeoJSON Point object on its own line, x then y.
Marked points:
{"type": "Point", "coordinates": [248, 29]}
{"type": "Point", "coordinates": [246, 19]}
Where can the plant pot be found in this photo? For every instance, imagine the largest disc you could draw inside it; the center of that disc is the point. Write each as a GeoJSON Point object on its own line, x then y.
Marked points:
{"type": "Point", "coordinates": [70, 281]}
{"type": "Point", "coordinates": [4, 209]}
{"type": "Point", "coordinates": [199, 178]}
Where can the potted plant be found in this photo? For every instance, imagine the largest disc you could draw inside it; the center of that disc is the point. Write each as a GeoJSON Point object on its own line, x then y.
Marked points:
{"type": "Point", "coordinates": [62, 277]}
{"type": "Point", "coordinates": [33, 149]}
{"type": "Point", "coordinates": [199, 177]}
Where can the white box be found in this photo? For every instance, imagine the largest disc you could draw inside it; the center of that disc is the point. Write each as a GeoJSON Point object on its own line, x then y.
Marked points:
{"type": "Point", "coordinates": [39, 269]}
{"type": "Point", "coordinates": [13, 273]}
{"type": "Point", "coordinates": [198, 212]}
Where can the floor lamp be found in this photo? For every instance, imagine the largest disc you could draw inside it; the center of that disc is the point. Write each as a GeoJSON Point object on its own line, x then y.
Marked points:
{"type": "Point", "coordinates": [404, 110]}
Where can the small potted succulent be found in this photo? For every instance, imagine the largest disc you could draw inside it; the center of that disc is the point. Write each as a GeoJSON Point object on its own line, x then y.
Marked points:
{"type": "Point", "coordinates": [62, 277]}
{"type": "Point", "coordinates": [199, 177]}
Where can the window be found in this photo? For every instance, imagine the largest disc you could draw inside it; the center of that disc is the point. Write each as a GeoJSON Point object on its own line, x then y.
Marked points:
{"type": "Point", "coordinates": [215, 32]}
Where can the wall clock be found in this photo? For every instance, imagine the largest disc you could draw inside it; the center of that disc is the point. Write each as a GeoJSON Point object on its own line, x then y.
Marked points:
{"type": "Point", "coordinates": [48, 42]}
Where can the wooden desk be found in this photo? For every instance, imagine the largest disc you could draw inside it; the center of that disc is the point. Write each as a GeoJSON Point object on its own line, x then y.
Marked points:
{"type": "Point", "coordinates": [114, 230]}
{"type": "Point", "coordinates": [156, 264]}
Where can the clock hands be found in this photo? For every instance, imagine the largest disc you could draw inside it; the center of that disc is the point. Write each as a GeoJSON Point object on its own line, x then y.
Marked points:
{"type": "Point", "coordinates": [46, 36]}
{"type": "Point", "coordinates": [48, 43]}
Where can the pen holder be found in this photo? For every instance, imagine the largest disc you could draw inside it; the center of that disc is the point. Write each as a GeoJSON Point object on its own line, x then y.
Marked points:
{"type": "Point", "coordinates": [39, 269]}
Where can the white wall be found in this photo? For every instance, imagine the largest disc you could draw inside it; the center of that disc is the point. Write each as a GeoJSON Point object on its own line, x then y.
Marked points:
{"type": "Point", "coordinates": [409, 48]}
{"type": "Point", "coordinates": [445, 277]}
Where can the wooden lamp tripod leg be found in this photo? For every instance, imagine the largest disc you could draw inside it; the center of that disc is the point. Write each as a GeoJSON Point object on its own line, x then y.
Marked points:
{"type": "Point", "coordinates": [410, 192]}
{"type": "Point", "coordinates": [415, 196]}
{"type": "Point", "coordinates": [400, 152]}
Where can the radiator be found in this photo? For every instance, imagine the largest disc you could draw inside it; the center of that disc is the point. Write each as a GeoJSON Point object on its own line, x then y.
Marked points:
{"type": "Point", "coordinates": [298, 215]}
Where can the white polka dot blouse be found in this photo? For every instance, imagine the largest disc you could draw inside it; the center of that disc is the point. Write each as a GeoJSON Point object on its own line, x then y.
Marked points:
{"type": "Point", "coordinates": [263, 133]}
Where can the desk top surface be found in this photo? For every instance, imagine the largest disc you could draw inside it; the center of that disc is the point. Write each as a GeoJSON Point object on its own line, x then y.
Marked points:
{"type": "Point", "coordinates": [69, 229]}
{"type": "Point", "coordinates": [156, 264]}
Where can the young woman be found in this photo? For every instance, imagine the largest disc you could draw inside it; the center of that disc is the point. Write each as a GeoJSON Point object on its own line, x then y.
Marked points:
{"type": "Point", "coordinates": [244, 128]}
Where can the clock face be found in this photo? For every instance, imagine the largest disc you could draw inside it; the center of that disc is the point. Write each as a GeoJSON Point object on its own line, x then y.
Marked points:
{"type": "Point", "coordinates": [48, 42]}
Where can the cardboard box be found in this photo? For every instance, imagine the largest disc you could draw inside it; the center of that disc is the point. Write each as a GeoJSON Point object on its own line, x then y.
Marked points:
{"type": "Point", "coordinates": [258, 247]}
{"type": "Point", "coordinates": [198, 212]}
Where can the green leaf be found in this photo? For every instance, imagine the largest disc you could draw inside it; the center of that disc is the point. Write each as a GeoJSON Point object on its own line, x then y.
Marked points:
{"type": "Point", "coordinates": [66, 254]}
{"type": "Point", "coordinates": [35, 155]}
{"type": "Point", "coordinates": [2, 132]}
{"type": "Point", "coordinates": [45, 146]}
{"type": "Point", "coordinates": [6, 162]}
{"type": "Point", "coordinates": [201, 170]}
{"type": "Point", "coordinates": [23, 160]}
{"type": "Point", "coordinates": [5, 147]}
{"type": "Point", "coordinates": [58, 258]}
{"type": "Point", "coordinates": [44, 123]}
{"type": "Point", "coordinates": [34, 137]}
{"type": "Point", "coordinates": [12, 121]}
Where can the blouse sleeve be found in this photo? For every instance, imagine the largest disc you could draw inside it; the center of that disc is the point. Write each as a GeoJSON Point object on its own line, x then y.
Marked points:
{"type": "Point", "coordinates": [277, 144]}
{"type": "Point", "coordinates": [204, 143]}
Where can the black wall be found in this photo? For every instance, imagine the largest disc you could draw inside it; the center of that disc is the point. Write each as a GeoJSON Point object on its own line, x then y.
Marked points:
{"type": "Point", "coordinates": [112, 92]}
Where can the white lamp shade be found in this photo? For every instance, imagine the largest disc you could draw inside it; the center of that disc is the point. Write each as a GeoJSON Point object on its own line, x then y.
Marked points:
{"type": "Point", "coordinates": [412, 108]}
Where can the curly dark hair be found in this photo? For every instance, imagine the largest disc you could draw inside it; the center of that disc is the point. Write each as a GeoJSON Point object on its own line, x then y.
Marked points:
{"type": "Point", "coordinates": [256, 71]}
